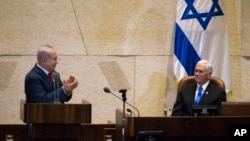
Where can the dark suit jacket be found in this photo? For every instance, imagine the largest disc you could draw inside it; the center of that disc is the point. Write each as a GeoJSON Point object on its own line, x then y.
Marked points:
{"type": "Point", "coordinates": [213, 95]}
{"type": "Point", "coordinates": [40, 89]}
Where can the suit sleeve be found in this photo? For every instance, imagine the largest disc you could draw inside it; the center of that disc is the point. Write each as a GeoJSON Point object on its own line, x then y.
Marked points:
{"type": "Point", "coordinates": [178, 109]}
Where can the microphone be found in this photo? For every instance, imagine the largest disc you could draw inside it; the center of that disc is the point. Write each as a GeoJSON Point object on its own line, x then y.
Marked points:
{"type": "Point", "coordinates": [56, 77]}
{"type": "Point", "coordinates": [130, 111]}
{"type": "Point", "coordinates": [107, 90]}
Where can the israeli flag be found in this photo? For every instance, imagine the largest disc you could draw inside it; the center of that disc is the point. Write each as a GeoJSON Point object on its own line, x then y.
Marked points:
{"type": "Point", "coordinates": [201, 33]}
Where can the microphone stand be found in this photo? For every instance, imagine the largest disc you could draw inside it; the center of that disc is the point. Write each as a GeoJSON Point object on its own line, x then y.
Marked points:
{"type": "Point", "coordinates": [107, 90]}
{"type": "Point", "coordinates": [123, 91]}
{"type": "Point", "coordinates": [56, 86]}
{"type": "Point", "coordinates": [56, 90]}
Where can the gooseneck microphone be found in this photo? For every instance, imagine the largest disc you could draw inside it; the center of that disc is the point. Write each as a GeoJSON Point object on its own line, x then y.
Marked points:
{"type": "Point", "coordinates": [107, 90]}
{"type": "Point", "coordinates": [130, 111]}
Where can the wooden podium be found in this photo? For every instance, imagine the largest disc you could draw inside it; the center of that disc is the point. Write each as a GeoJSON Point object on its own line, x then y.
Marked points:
{"type": "Point", "coordinates": [60, 122]}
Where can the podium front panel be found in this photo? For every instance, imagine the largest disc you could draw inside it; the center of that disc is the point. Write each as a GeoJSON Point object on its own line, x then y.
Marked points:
{"type": "Point", "coordinates": [55, 113]}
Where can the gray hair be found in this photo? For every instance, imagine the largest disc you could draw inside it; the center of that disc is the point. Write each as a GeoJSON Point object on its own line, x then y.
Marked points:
{"type": "Point", "coordinates": [44, 52]}
{"type": "Point", "coordinates": [208, 65]}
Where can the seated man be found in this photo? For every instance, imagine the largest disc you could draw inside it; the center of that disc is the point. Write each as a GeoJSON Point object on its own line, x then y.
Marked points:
{"type": "Point", "coordinates": [201, 92]}
{"type": "Point", "coordinates": [39, 84]}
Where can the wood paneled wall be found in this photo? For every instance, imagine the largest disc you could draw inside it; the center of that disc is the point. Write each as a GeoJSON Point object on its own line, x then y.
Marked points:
{"type": "Point", "coordinates": [43, 132]}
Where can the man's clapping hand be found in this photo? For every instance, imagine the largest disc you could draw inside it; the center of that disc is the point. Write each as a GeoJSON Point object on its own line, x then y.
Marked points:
{"type": "Point", "coordinates": [70, 84]}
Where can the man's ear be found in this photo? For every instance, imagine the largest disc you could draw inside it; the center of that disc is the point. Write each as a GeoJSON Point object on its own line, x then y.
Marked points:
{"type": "Point", "coordinates": [44, 60]}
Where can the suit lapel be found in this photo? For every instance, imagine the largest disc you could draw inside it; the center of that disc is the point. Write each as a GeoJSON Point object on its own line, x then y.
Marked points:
{"type": "Point", "coordinates": [206, 95]}
{"type": "Point", "coordinates": [42, 74]}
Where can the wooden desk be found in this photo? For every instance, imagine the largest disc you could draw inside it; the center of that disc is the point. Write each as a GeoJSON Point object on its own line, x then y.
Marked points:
{"type": "Point", "coordinates": [183, 128]}
{"type": "Point", "coordinates": [235, 109]}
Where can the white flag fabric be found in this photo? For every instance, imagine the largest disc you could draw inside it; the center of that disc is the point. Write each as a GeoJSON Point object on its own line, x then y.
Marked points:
{"type": "Point", "coordinates": [201, 33]}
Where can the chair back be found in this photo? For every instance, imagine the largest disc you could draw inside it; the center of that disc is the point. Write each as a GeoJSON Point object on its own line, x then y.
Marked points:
{"type": "Point", "coordinates": [190, 79]}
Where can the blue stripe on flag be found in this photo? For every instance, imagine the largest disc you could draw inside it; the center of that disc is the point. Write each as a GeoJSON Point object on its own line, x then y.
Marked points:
{"type": "Point", "coordinates": [184, 51]}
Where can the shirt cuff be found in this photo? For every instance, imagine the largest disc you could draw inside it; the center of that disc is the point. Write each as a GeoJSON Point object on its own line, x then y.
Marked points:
{"type": "Point", "coordinates": [67, 93]}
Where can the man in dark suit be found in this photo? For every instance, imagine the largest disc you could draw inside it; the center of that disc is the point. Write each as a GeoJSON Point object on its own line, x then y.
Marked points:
{"type": "Point", "coordinates": [39, 86]}
{"type": "Point", "coordinates": [210, 94]}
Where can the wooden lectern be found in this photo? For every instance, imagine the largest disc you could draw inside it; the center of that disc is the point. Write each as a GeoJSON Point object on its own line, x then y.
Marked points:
{"type": "Point", "coordinates": [48, 121]}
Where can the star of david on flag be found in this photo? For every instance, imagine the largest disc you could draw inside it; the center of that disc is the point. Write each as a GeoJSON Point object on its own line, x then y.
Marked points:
{"type": "Point", "coordinates": [201, 33]}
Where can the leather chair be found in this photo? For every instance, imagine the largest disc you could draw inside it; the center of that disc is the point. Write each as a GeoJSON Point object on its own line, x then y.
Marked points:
{"type": "Point", "coordinates": [190, 79]}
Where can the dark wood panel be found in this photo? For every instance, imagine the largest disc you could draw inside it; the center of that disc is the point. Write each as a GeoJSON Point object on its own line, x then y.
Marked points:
{"type": "Point", "coordinates": [56, 132]}
{"type": "Point", "coordinates": [235, 109]}
{"type": "Point", "coordinates": [183, 128]}
{"type": "Point", "coordinates": [59, 132]}
{"type": "Point", "coordinates": [18, 132]}
{"type": "Point", "coordinates": [55, 113]}
{"type": "Point", "coordinates": [96, 132]}
{"type": "Point", "coordinates": [195, 128]}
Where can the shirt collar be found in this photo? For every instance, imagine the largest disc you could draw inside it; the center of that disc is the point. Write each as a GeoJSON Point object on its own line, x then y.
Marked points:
{"type": "Point", "coordinates": [44, 70]}
{"type": "Point", "coordinates": [204, 86]}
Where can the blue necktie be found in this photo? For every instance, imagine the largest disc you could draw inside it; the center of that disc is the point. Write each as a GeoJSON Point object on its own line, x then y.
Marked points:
{"type": "Point", "coordinates": [198, 97]}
